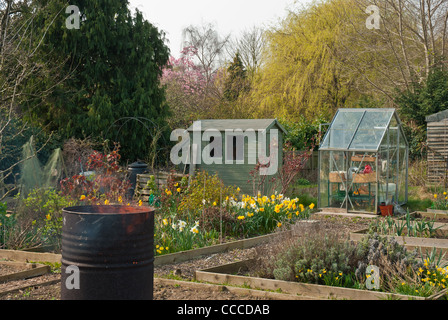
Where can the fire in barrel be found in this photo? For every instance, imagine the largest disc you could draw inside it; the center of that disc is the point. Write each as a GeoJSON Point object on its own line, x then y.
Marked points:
{"type": "Point", "coordinates": [107, 253]}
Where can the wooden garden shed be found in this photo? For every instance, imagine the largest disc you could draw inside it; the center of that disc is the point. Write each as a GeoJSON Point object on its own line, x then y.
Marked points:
{"type": "Point", "coordinates": [237, 162]}
{"type": "Point", "coordinates": [437, 141]}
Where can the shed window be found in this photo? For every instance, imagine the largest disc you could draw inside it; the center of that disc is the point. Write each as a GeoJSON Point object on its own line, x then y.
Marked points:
{"type": "Point", "coordinates": [235, 149]}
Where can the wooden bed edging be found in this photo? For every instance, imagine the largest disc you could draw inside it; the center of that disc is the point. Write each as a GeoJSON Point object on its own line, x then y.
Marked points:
{"type": "Point", "coordinates": [26, 256]}
{"type": "Point", "coordinates": [235, 290]}
{"type": "Point", "coordinates": [197, 253]}
{"type": "Point", "coordinates": [411, 243]}
{"type": "Point", "coordinates": [222, 275]}
{"type": "Point", "coordinates": [177, 257]}
{"type": "Point", "coordinates": [32, 270]}
{"type": "Point", "coordinates": [437, 215]}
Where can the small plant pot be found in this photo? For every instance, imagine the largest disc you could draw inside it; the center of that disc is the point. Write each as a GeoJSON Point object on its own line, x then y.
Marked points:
{"type": "Point", "coordinates": [387, 211]}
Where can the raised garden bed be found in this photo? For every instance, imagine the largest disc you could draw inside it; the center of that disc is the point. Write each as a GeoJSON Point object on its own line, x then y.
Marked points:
{"type": "Point", "coordinates": [430, 214]}
{"type": "Point", "coordinates": [197, 253]}
{"type": "Point", "coordinates": [411, 243]}
{"type": "Point", "coordinates": [236, 274]}
{"type": "Point", "coordinates": [158, 260]}
{"type": "Point", "coordinates": [13, 270]}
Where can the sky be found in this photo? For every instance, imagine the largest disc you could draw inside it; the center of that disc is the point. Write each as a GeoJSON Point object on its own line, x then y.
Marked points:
{"type": "Point", "coordinates": [230, 16]}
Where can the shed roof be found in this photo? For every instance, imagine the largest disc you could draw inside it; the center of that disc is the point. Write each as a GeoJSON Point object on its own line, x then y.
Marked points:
{"type": "Point", "coordinates": [437, 117]}
{"type": "Point", "coordinates": [243, 124]}
{"type": "Point", "coordinates": [359, 129]}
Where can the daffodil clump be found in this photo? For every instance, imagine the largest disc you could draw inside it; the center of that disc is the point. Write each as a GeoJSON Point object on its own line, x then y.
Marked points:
{"type": "Point", "coordinates": [435, 276]}
{"type": "Point", "coordinates": [428, 280]}
{"type": "Point", "coordinates": [174, 235]}
{"type": "Point", "coordinates": [440, 201]}
{"type": "Point", "coordinates": [264, 214]}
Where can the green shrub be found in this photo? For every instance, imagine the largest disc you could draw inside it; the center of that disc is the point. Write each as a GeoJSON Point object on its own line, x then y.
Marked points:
{"type": "Point", "coordinates": [303, 182]}
{"type": "Point", "coordinates": [306, 261]}
{"type": "Point", "coordinates": [317, 254]}
{"type": "Point", "coordinates": [43, 209]}
{"type": "Point", "coordinates": [7, 224]}
{"type": "Point", "coordinates": [205, 190]}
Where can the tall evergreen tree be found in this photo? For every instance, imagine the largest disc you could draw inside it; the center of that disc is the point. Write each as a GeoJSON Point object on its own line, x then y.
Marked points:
{"type": "Point", "coordinates": [114, 62]}
{"type": "Point", "coordinates": [236, 81]}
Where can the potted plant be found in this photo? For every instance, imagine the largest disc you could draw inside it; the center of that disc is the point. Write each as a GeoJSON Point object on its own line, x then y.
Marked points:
{"type": "Point", "coordinates": [386, 210]}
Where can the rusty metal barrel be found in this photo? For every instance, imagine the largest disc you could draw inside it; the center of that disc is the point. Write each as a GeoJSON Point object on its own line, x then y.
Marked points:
{"type": "Point", "coordinates": [107, 253]}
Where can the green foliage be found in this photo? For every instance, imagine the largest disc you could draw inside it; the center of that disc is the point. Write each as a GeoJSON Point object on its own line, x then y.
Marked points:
{"type": "Point", "coordinates": [406, 226]}
{"type": "Point", "coordinates": [422, 99]}
{"type": "Point", "coordinates": [175, 235]}
{"type": "Point", "coordinates": [205, 189]}
{"type": "Point", "coordinates": [115, 61]}
{"type": "Point", "coordinates": [302, 133]}
{"type": "Point", "coordinates": [425, 97]}
{"type": "Point", "coordinates": [7, 223]}
{"type": "Point", "coordinates": [43, 207]}
{"type": "Point", "coordinates": [322, 256]}
{"type": "Point", "coordinates": [303, 182]}
{"type": "Point", "coordinates": [301, 74]}
{"type": "Point", "coordinates": [3, 207]}
{"type": "Point", "coordinates": [305, 261]}
{"type": "Point", "coordinates": [236, 81]}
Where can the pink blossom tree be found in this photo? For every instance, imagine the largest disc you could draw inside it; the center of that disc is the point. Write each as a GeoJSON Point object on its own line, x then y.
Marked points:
{"type": "Point", "coordinates": [189, 91]}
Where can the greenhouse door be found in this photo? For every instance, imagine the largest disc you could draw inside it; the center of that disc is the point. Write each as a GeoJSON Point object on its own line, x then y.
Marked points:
{"type": "Point", "coordinates": [361, 182]}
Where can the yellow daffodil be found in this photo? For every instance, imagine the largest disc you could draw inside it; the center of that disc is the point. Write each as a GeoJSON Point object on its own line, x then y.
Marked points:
{"type": "Point", "coordinates": [106, 202]}
{"type": "Point", "coordinates": [83, 197]}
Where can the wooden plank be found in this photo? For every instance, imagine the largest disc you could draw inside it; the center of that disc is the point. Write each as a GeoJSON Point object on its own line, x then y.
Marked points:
{"type": "Point", "coordinates": [197, 253]}
{"type": "Point", "coordinates": [436, 215]}
{"type": "Point", "coordinates": [34, 284]}
{"type": "Point", "coordinates": [254, 294]}
{"type": "Point", "coordinates": [366, 158]}
{"type": "Point", "coordinates": [25, 256]}
{"type": "Point", "coordinates": [411, 243]}
{"type": "Point", "coordinates": [33, 270]}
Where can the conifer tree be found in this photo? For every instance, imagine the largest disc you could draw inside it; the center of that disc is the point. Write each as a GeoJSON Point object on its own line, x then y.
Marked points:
{"type": "Point", "coordinates": [113, 64]}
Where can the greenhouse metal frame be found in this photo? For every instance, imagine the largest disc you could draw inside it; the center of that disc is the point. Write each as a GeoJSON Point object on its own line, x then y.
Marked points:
{"type": "Point", "coordinates": [363, 161]}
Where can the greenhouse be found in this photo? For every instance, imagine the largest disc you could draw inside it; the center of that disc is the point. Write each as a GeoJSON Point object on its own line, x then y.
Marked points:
{"type": "Point", "coordinates": [363, 161]}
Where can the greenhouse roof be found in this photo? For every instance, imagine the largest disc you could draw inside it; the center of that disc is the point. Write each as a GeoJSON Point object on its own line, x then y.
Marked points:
{"type": "Point", "coordinates": [359, 129]}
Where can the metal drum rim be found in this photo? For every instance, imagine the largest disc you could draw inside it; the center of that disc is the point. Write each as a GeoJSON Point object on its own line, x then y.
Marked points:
{"type": "Point", "coordinates": [83, 210]}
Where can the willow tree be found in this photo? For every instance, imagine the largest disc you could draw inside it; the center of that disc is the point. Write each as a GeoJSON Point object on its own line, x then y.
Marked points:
{"type": "Point", "coordinates": [302, 74]}
{"type": "Point", "coordinates": [409, 39]}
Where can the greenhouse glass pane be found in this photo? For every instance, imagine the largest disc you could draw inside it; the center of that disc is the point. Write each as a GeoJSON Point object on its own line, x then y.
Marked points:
{"type": "Point", "coordinates": [371, 130]}
{"type": "Point", "coordinates": [342, 129]}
